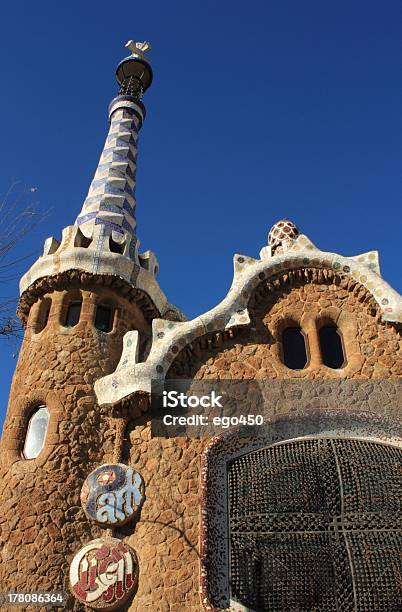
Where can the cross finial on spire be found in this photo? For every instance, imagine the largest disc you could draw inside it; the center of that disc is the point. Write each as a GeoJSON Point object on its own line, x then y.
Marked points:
{"type": "Point", "coordinates": [138, 48]}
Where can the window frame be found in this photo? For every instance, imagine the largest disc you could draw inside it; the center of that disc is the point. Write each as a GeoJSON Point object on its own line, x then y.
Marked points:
{"type": "Point", "coordinates": [338, 331]}
{"type": "Point", "coordinates": [352, 449]}
{"type": "Point", "coordinates": [294, 325]}
{"type": "Point", "coordinates": [40, 316]}
{"type": "Point", "coordinates": [214, 549]}
{"type": "Point", "coordinates": [112, 310]}
{"type": "Point", "coordinates": [69, 306]}
{"type": "Point", "coordinates": [28, 429]}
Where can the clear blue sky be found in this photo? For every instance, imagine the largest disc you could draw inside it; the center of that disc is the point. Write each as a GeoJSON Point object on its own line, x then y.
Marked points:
{"type": "Point", "coordinates": [259, 110]}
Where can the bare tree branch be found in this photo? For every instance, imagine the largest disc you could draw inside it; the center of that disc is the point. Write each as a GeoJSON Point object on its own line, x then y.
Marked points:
{"type": "Point", "coordinates": [19, 215]}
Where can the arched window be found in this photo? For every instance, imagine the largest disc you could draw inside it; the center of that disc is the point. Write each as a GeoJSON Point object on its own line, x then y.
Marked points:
{"type": "Point", "coordinates": [73, 314]}
{"type": "Point", "coordinates": [43, 315]}
{"type": "Point", "coordinates": [104, 317]}
{"type": "Point", "coordinates": [45, 312]}
{"type": "Point", "coordinates": [331, 347]}
{"type": "Point", "coordinates": [36, 433]}
{"type": "Point", "coordinates": [294, 348]}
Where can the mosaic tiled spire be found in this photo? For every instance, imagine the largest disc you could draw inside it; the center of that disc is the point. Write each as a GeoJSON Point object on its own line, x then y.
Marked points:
{"type": "Point", "coordinates": [110, 202]}
{"type": "Point", "coordinates": [103, 240]}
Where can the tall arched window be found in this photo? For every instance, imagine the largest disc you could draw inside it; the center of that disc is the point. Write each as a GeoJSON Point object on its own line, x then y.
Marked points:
{"type": "Point", "coordinates": [331, 347]}
{"type": "Point", "coordinates": [43, 315]}
{"type": "Point", "coordinates": [36, 433]}
{"type": "Point", "coordinates": [104, 317]}
{"type": "Point", "coordinates": [45, 312]}
{"type": "Point", "coordinates": [294, 348]}
{"type": "Point", "coordinates": [73, 314]}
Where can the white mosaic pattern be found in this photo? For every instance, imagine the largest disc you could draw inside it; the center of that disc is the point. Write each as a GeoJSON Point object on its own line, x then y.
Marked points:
{"type": "Point", "coordinates": [111, 197]}
{"type": "Point", "coordinates": [103, 240]}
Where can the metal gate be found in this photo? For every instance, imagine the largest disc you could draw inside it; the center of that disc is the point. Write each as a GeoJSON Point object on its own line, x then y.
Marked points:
{"type": "Point", "coordinates": [315, 526]}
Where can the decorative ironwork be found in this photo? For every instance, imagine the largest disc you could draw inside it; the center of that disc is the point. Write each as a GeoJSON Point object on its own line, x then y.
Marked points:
{"type": "Point", "coordinates": [314, 526]}
{"type": "Point", "coordinates": [132, 86]}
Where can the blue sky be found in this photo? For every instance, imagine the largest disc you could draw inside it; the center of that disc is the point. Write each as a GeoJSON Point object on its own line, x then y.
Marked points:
{"type": "Point", "coordinates": [259, 110]}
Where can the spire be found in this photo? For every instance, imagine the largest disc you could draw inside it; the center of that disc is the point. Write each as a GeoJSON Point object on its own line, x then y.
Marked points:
{"type": "Point", "coordinates": [110, 202]}
{"type": "Point", "coordinates": [103, 242]}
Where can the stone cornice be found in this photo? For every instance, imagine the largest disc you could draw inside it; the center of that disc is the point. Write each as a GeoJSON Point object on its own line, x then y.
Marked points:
{"type": "Point", "coordinates": [72, 278]}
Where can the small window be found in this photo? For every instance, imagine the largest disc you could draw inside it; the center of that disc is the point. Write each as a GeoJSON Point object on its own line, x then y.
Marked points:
{"type": "Point", "coordinates": [331, 347]}
{"type": "Point", "coordinates": [294, 348]}
{"type": "Point", "coordinates": [36, 433]}
{"type": "Point", "coordinates": [116, 247]}
{"type": "Point", "coordinates": [43, 315]}
{"type": "Point", "coordinates": [73, 314]}
{"type": "Point", "coordinates": [104, 318]}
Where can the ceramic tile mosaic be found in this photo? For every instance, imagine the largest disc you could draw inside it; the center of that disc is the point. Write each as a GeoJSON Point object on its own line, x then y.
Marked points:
{"type": "Point", "coordinates": [103, 239]}
{"type": "Point", "coordinates": [169, 338]}
{"type": "Point", "coordinates": [111, 198]}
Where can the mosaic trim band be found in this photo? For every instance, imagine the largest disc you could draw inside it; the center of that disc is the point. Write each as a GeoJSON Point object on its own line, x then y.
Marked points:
{"type": "Point", "coordinates": [169, 338]}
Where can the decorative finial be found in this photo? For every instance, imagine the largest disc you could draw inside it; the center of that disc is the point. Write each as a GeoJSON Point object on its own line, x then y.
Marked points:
{"type": "Point", "coordinates": [282, 235]}
{"type": "Point", "coordinates": [134, 73]}
{"type": "Point", "coordinates": [138, 48]}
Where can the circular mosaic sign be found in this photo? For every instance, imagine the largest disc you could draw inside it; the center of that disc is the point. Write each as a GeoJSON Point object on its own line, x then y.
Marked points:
{"type": "Point", "coordinates": [112, 494]}
{"type": "Point", "coordinates": [104, 573]}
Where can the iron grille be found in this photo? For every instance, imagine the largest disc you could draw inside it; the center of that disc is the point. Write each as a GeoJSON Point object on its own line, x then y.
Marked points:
{"type": "Point", "coordinates": [315, 527]}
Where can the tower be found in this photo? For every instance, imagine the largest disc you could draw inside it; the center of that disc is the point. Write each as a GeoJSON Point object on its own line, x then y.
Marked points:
{"type": "Point", "coordinates": [77, 302]}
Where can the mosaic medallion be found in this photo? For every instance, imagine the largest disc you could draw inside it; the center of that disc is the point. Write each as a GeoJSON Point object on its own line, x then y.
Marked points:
{"type": "Point", "coordinates": [112, 494]}
{"type": "Point", "coordinates": [104, 573]}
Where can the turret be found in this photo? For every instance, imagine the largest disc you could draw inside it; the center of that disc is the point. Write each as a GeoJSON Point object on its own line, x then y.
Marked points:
{"type": "Point", "coordinates": [77, 302]}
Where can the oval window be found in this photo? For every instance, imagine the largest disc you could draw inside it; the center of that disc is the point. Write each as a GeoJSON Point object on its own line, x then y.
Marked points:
{"type": "Point", "coordinates": [331, 347]}
{"type": "Point", "coordinates": [294, 348]}
{"type": "Point", "coordinates": [36, 433]}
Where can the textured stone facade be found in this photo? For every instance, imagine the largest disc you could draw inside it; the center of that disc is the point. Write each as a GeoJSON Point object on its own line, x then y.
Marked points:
{"type": "Point", "coordinates": [42, 521]}
{"type": "Point", "coordinates": [371, 346]}
{"type": "Point", "coordinates": [167, 537]}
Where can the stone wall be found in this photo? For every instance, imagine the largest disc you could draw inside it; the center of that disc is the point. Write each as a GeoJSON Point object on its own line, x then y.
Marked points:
{"type": "Point", "coordinates": [371, 346]}
{"type": "Point", "coordinates": [167, 536]}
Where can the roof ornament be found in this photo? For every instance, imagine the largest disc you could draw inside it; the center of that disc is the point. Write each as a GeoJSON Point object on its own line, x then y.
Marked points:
{"type": "Point", "coordinates": [138, 48]}
{"type": "Point", "coordinates": [134, 73]}
{"type": "Point", "coordinates": [281, 236]}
